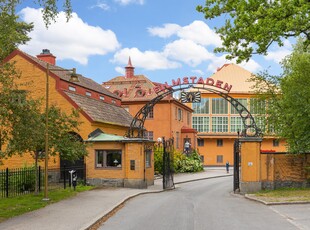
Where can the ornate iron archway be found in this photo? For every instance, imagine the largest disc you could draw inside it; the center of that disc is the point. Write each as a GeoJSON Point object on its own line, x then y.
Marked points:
{"type": "Point", "coordinates": [136, 128]}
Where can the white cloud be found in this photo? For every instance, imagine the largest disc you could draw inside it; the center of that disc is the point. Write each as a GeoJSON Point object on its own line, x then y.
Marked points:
{"type": "Point", "coordinates": [276, 54]}
{"type": "Point", "coordinates": [198, 71]}
{"type": "Point", "coordinates": [218, 62]}
{"type": "Point", "coordinates": [198, 32]}
{"type": "Point", "coordinates": [102, 5]}
{"type": "Point", "coordinates": [188, 52]}
{"type": "Point", "coordinates": [149, 60]}
{"type": "Point", "coordinates": [120, 70]}
{"type": "Point", "coordinates": [164, 32]}
{"type": "Point", "coordinates": [127, 2]}
{"type": "Point", "coordinates": [74, 40]}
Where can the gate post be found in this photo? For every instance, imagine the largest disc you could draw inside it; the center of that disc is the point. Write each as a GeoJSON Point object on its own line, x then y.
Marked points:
{"type": "Point", "coordinates": [250, 180]}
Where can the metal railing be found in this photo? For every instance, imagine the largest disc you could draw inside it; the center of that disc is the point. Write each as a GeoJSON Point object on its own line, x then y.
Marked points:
{"type": "Point", "coordinates": [21, 181]}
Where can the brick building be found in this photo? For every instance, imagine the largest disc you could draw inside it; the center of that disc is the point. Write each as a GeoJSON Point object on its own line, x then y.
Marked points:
{"type": "Point", "coordinates": [99, 109]}
{"type": "Point", "coordinates": [217, 121]}
{"type": "Point", "coordinates": [169, 118]}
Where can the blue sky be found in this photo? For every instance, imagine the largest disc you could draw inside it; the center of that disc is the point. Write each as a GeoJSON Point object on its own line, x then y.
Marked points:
{"type": "Point", "coordinates": [165, 39]}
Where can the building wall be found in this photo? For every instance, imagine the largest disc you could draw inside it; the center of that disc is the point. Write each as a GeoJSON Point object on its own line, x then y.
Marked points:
{"type": "Point", "coordinates": [138, 177]}
{"type": "Point", "coordinates": [284, 170]}
{"type": "Point", "coordinates": [165, 122]}
{"type": "Point", "coordinates": [33, 80]}
{"type": "Point", "coordinates": [211, 129]}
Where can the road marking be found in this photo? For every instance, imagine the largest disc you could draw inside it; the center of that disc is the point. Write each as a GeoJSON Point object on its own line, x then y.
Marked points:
{"type": "Point", "coordinates": [289, 219]}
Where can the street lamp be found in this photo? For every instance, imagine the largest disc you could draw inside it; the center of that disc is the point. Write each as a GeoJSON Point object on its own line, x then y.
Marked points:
{"type": "Point", "coordinates": [73, 78]}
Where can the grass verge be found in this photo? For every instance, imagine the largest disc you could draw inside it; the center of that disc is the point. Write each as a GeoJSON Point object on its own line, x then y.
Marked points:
{"type": "Point", "coordinates": [284, 195]}
{"type": "Point", "coordinates": [15, 206]}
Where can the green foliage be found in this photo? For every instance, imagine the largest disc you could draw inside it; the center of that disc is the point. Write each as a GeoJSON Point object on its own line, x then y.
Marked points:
{"type": "Point", "coordinates": [259, 22]}
{"type": "Point", "coordinates": [24, 179]}
{"type": "Point", "coordinates": [13, 31]}
{"type": "Point", "coordinates": [181, 162]}
{"type": "Point", "coordinates": [184, 164]}
{"type": "Point", "coordinates": [288, 106]}
{"type": "Point", "coordinates": [158, 159]}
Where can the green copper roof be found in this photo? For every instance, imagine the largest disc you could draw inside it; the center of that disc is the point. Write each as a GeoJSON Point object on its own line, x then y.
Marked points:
{"type": "Point", "coordinates": [107, 137]}
{"type": "Point", "coordinates": [103, 137]}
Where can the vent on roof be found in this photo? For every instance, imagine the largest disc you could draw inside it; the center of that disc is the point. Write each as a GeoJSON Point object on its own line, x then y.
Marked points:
{"type": "Point", "coordinates": [95, 133]}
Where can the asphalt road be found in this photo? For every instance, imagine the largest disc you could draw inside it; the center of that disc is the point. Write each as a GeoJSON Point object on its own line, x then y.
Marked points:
{"type": "Point", "coordinates": [205, 204]}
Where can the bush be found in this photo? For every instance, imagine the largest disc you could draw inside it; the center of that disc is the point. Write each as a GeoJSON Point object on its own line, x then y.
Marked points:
{"type": "Point", "coordinates": [184, 164]}
{"type": "Point", "coordinates": [181, 163]}
{"type": "Point", "coordinates": [158, 160]}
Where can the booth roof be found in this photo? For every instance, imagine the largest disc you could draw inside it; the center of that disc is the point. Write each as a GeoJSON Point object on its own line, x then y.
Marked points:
{"type": "Point", "coordinates": [103, 137]}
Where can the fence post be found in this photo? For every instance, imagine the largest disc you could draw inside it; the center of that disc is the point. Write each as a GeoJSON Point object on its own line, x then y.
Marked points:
{"type": "Point", "coordinates": [84, 173]}
{"type": "Point", "coordinates": [39, 178]}
{"type": "Point", "coordinates": [7, 182]}
{"type": "Point", "coordinates": [64, 174]}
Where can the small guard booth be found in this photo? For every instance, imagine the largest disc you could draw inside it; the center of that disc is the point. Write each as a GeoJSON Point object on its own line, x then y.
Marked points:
{"type": "Point", "coordinates": [119, 161]}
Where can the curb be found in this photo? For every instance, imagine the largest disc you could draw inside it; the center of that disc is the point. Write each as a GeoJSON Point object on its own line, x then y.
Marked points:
{"type": "Point", "coordinates": [108, 213]}
{"type": "Point", "coordinates": [117, 206]}
{"type": "Point", "coordinates": [247, 196]}
{"type": "Point", "coordinates": [204, 178]}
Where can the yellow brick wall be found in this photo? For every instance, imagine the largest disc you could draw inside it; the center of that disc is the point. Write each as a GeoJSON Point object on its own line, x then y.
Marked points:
{"type": "Point", "coordinates": [33, 80]}
{"type": "Point", "coordinates": [93, 172]}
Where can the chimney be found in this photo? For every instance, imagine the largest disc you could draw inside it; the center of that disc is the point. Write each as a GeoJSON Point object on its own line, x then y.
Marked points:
{"type": "Point", "coordinates": [130, 70]}
{"type": "Point", "coordinates": [47, 56]}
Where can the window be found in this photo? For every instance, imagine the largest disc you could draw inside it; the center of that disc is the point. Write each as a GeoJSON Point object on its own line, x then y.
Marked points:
{"type": "Point", "coordinates": [149, 135]}
{"type": "Point", "coordinates": [188, 118]}
{"type": "Point", "coordinates": [236, 124]}
{"type": "Point", "coordinates": [180, 114]}
{"type": "Point", "coordinates": [219, 142]}
{"type": "Point", "coordinates": [148, 158]}
{"type": "Point", "coordinates": [219, 106]}
{"type": "Point", "coordinates": [275, 143]}
{"type": "Point", "coordinates": [88, 93]}
{"type": "Point", "coordinates": [201, 142]}
{"type": "Point", "coordinates": [108, 158]}
{"type": "Point", "coordinates": [243, 101]}
{"type": "Point", "coordinates": [219, 124]}
{"type": "Point", "coordinates": [257, 106]}
{"type": "Point", "coordinates": [177, 140]}
{"type": "Point", "coordinates": [71, 88]}
{"type": "Point", "coordinates": [202, 107]}
{"type": "Point", "coordinates": [201, 124]}
{"type": "Point", "coordinates": [151, 113]}
{"type": "Point", "coordinates": [101, 98]}
{"type": "Point", "coordinates": [219, 159]}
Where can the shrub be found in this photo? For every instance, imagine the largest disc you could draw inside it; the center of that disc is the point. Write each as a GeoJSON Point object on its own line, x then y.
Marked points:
{"type": "Point", "coordinates": [188, 164]}
{"type": "Point", "coordinates": [181, 163]}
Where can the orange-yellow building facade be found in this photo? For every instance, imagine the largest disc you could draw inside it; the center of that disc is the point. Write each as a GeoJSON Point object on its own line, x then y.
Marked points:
{"type": "Point", "coordinates": [218, 123]}
{"type": "Point", "coordinates": [168, 118]}
{"type": "Point", "coordinates": [98, 109]}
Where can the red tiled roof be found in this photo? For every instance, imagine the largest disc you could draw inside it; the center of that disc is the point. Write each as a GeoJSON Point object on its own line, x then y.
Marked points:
{"type": "Point", "coordinates": [100, 111]}
{"type": "Point", "coordinates": [65, 75]}
{"type": "Point", "coordinates": [137, 88]}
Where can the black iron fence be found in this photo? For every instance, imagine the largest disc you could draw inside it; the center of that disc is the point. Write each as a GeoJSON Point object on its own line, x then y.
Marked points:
{"type": "Point", "coordinates": [20, 181]}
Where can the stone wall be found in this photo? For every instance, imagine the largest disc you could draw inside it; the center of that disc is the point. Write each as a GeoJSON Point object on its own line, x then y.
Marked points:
{"type": "Point", "coordinates": [285, 170]}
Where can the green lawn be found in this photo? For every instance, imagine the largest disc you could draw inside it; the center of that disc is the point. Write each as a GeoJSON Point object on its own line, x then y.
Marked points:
{"type": "Point", "coordinates": [10, 207]}
{"type": "Point", "coordinates": [284, 195]}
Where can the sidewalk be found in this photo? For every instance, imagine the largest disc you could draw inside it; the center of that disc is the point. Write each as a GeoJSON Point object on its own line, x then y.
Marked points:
{"type": "Point", "coordinates": [85, 209]}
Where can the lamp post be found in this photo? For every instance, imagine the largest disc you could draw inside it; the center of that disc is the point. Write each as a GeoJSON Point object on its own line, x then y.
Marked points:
{"type": "Point", "coordinates": [73, 78]}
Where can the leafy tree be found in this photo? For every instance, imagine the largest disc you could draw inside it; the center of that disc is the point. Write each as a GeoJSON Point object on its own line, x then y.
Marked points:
{"type": "Point", "coordinates": [27, 133]}
{"type": "Point", "coordinates": [288, 106]}
{"type": "Point", "coordinates": [252, 26]}
{"type": "Point", "coordinates": [50, 9]}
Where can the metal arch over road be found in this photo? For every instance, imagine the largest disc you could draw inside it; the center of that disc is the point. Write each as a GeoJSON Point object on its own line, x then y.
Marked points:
{"type": "Point", "coordinates": [137, 129]}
